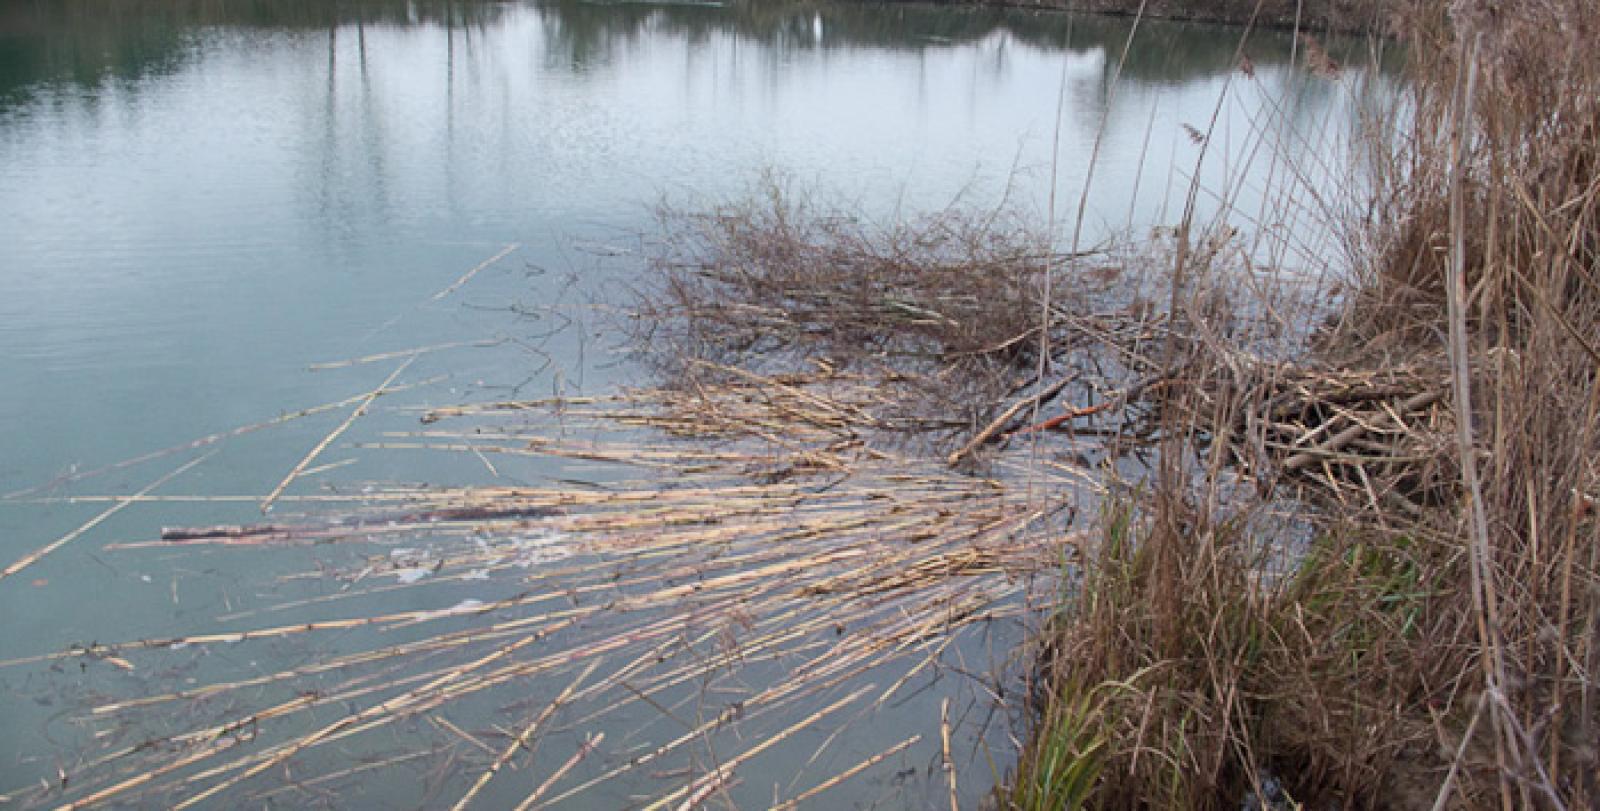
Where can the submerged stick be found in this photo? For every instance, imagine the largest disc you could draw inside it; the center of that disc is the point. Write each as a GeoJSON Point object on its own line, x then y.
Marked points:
{"type": "Point", "coordinates": [949, 762]}
{"type": "Point", "coordinates": [725, 770]}
{"type": "Point", "coordinates": [342, 773]}
{"type": "Point", "coordinates": [521, 739]}
{"type": "Point", "coordinates": [266, 504]}
{"type": "Point", "coordinates": [583, 752]}
{"type": "Point", "coordinates": [790, 805]}
{"type": "Point", "coordinates": [1000, 422]}
{"type": "Point", "coordinates": [209, 439]}
{"type": "Point", "coordinates": [36, 555]}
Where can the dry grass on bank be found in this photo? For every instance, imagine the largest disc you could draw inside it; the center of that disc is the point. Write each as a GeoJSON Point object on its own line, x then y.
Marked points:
{"type": "Point", "coordinates": [1492, 241]}
{"type": "Point", "coordinates": [1436, 646]}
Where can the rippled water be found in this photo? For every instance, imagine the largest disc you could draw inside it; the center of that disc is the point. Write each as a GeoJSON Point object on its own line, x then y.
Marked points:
{"type": "Point", "coordinates": [200, 202]}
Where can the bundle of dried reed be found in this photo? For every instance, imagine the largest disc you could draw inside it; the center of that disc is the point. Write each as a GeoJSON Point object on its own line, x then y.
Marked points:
{"type": "Point", "coordinates": [742, 588]}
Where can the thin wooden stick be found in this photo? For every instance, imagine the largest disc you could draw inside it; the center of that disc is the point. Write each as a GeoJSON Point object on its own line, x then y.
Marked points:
{"type": "Point", "coordinates": [209, 439]}
{"type": "Point", "coordinates": [723, 771]}
{"type": "Point", "coordinates": [1000, 422]}
{"type": "Point", "coordinates": [342, 773]}
{"type": "Point", "coordinates": [583, 752]}
{"type": "Point", "coordinates": [521, 740]}
{"type": "Point", "coordinates": [717, 782]}
{"type": "Point", "coordinates": [949, 762]}
{"type": "Point", "coordinates": [467, 277]}
{"type": "Point", "coordinates": [266, 504]}
{"type": "Point", "coordinates": [36, 555]}
{"type": "Point", "coordinates": [1442, 799]}
{"type": "Point", "coordinates": [442, 721]}
{"type": "Point", "coordinates": [1062, 419]}
{"type": "Point", "coordinates": [403, 353]}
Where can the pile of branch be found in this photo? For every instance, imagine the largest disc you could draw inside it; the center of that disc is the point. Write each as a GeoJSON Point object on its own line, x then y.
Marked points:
{"type": "Point", "coordinates": [1381, 435]}
{"type": "Point", "coordinates": [947, 311]}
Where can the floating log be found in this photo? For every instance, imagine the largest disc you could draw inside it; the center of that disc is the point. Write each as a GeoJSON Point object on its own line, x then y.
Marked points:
{"type": "Point", "coordinates": [222, 531]}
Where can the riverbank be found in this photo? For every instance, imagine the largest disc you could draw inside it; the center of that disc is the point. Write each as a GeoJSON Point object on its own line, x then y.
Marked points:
{"type": "Point", "coordinates": [1431, 641]}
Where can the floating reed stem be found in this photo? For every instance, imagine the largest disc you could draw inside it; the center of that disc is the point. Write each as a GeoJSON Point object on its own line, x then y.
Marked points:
{"type": "Point", "coordinates": [355, 414]}
{"type": "Point", "coordinates": [35, 556]}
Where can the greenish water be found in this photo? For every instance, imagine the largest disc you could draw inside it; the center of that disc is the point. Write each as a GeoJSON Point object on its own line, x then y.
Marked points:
{"type": "Point", "coordinates": [200, 201]}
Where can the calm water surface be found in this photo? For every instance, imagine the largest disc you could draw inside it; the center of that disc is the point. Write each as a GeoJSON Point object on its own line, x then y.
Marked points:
{"type": "Point", "coordinates": [200, 202]}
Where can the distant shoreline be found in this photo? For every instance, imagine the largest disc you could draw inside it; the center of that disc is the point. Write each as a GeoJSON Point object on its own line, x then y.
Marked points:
{"type": "Point", "coordinates": [1340, 16]}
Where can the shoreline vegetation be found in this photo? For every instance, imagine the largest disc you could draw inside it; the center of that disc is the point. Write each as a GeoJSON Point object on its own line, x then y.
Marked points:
{"type": "Point", "coordinates": [1434, 643]}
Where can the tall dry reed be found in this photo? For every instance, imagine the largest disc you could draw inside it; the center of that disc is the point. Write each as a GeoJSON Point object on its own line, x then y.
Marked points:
{"type": "Point", "coordinates": [1434, 643]}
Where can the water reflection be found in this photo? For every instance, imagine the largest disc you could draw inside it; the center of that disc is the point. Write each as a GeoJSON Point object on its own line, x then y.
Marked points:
{"type": "Point", "coordinates": [567, 86]}
{"type": "Point", "coordinates": [91, 42]}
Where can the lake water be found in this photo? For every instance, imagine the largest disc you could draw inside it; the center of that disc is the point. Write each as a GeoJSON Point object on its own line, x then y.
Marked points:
{"type": "Point", "coordinates": [205, 207]}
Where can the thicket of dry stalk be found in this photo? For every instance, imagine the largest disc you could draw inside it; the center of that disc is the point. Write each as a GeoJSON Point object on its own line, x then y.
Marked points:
{"type": "Point", "coordinates": [1435, 646]}
{"type": "Point", "coordinates": [1237, 635]}
{"type": "Point", "coordinates": [778, 274]}
{"type": "Point", "coordinates": [1490, 239]}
